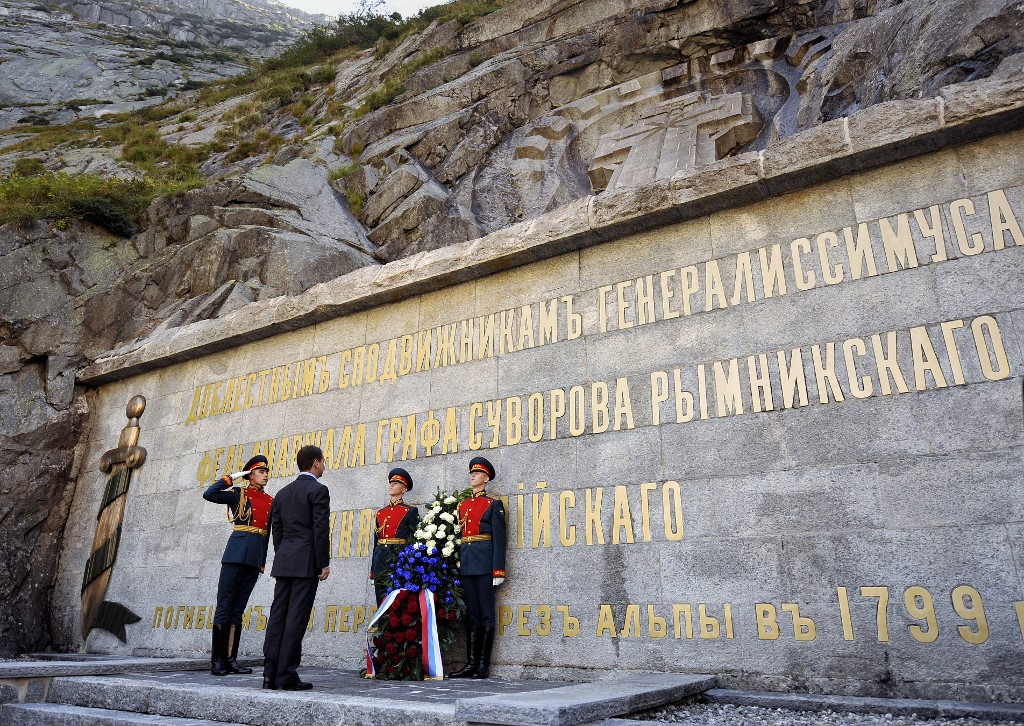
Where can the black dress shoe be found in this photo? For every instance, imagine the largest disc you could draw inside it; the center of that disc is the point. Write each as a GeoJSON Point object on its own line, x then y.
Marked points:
{"type": "Point", "coordinates": [268, 683]}
{"type": "Point", "coordinates": [298, 686]}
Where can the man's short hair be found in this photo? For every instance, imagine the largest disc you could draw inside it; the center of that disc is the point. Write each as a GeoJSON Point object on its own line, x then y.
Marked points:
{"type": "Point", "coordinates": [307, 455]}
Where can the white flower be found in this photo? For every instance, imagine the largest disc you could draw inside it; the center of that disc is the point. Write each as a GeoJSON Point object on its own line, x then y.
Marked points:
{"type": "Point", "coordinates": [456, 527]}
{"type": "Point", "coordinates": [446, 516]}
{"type": "Point", "coordinates": [449, 550]}
{"type": "Point", "coordinates": [450, 500]}
{"type": "Point", "coordinates": [419, 545]}
{"type": "Point", "coordinates": [440, 531]}
{"type": "Point", "coordinates": [430, 528]}
{"type": "Point", "coordinates": [420, 534]}
{"type": "Point", "coordinates": [431, 545]}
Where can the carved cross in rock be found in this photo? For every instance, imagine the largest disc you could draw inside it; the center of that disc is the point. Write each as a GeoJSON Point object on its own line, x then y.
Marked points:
{"type": "Point", "coordinates": [674, 135]}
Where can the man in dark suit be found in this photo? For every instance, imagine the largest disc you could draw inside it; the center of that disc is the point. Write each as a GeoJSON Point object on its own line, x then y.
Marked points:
{"type": "Point", "coordinates": [300, 526]}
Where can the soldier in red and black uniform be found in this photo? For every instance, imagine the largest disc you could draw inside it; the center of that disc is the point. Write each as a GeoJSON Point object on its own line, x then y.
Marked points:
{"type": "Point", "coordinates": [481, 567]}
{"type": "Point", "coordinates": [393, 529]}
{"type": "Point", "coordinates": [244, 557]}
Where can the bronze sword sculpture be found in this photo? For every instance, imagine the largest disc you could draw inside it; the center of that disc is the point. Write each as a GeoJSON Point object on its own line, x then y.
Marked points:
{"type": "Point", "coordinates": [117, 464]}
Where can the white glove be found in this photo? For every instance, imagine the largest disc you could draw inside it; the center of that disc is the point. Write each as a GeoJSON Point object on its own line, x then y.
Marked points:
{"type": "Point", "coordinates": [238, 475]}
{"type": "Point", "coordinates": [497, 581]}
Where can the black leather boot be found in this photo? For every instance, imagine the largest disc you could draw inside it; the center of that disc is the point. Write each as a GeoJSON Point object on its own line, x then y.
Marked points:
{"type": "Point", "coordinates": [234, 635]}
{"type": "Point", "coordinates": [484, 664]}
{"type": "Point", "coordinates": [474, 642]}
{"type": "Point", "coordinates": [218, 650]}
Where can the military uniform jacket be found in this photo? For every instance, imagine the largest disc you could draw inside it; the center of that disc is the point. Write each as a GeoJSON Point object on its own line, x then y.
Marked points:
{"type": "Point", "coordinates": [300, 525]}
{"type": "Point", "coordinates": [250, 511]}
{"type": "Point", "coordinates": [484, 517]}
{"type": "Point", "coordinates": [397, 521]}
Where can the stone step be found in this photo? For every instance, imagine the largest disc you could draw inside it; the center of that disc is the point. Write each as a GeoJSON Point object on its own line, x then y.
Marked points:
{"type": "Point", "coordinates": [44, 668]}
{"type": "Point", "coordinates": [584, 702]}
{"type": "Point", "coordinates": [239, 699]}
{"type": "Point", "coordinates": [863, 704]}
{"type": "Point", "coordinates": [342, 697]}
{"type": "Point", "coordinates": [59, 714]}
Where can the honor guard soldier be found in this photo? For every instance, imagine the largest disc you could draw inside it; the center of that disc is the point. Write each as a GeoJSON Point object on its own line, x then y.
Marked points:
{"type": "Point", "coordinates": [392, 530]}
{"type": "Point", "coordinates": [481, 567]}
{"type": "Point", "coordinates": [244, 557]}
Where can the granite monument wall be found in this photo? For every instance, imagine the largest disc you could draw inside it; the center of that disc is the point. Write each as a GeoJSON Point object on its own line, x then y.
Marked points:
{"type": "Point", "coordinates": [774, 436]}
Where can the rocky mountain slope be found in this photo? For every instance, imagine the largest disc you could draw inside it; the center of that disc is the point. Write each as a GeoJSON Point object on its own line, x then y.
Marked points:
{"type": "Point", "coordinates": [305, 171]}
{"type": "Point", "coordinates": [67, 59]}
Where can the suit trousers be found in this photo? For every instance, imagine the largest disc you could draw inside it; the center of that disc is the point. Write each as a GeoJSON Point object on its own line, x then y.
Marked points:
{"type": "Point", "coordinates": [289, 617]}
{"type": "Point", "coordinates": [479, 593]}
{"type": "Point", "coordinates": [233, 591]}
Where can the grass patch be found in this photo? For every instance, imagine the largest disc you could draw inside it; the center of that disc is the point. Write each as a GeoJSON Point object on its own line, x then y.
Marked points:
{"type": "Point", "coordinates": [343, 171]}
{"type": "Point", "coordinates": [388, 92]}
{"type": "Point", "coordinates": [114, 204]}
{"type": "Point", "coordinates": [355, 201]}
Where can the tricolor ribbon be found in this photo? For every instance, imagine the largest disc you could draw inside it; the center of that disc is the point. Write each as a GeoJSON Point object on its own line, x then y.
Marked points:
{"type": "Point", "coordinates": [430, 645]}
{"type": "Point", "coordinates": [433, 669]}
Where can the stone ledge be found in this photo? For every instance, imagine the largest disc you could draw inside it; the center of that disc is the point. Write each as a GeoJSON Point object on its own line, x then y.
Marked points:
{"type": "Point", "coordinates": [872, 137]}
{"type": "Point", "coordinates": [857, 704]}
{"type": "Point", "coordinates": [583, 703]}
{"type": "Point", "coordinates": [16, 670]}
{"type": "Point", "coordinates": [236, 703]}
{"type": "Point", "coordinates": [56, 714]}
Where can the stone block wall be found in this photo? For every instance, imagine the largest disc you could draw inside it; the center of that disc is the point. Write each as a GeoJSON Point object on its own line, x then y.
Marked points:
{"type": "Point", "coordinates": [779, 441]}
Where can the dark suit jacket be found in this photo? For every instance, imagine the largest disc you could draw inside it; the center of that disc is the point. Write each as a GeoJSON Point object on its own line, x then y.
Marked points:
{"type": "Point", "coordinates": [300, 525]}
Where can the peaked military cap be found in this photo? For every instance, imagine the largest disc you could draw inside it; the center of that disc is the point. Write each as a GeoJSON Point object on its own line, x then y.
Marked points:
{"type": "Point", "coordinates": [398, 474]}
{"type": "Point", "coordinates": [257, 462]}
{"type": "Point", "coordinates": [479, 463]}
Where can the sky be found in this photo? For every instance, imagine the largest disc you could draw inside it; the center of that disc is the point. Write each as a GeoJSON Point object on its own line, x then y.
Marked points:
{"type": "Point", "coordinates": [334, 8]}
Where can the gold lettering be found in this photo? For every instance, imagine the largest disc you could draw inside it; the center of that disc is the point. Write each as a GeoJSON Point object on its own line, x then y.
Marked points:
{"type": "Point", "coordinates": [976, 244]}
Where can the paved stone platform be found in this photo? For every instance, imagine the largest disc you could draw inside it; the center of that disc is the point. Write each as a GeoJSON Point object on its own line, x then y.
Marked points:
{"type": "Point", "coordinates": [192, 698]}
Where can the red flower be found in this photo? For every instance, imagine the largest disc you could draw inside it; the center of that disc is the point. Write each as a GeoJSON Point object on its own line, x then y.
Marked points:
{"type": "Point", "coordinates": [377, 642]}
{"type": "Point", "coordinates": [400, 637]}
{"type": "Point", "coordinates": [396, 658]}
{"type": "Point", "coordinates": [389, 669]}
{"type": "Point", "coordinates": [451, 615]}
{"type": "Point", "coordinates": [410, 635]}
{"type": "Point", "coordinates": [390, 648]}
{"type": "Point", "coordinates": [442, 613]}
{"type": "Point", "coordinates": [412, 652]}
{"type": "Point", "coordinates": [406, 672]}
{"type": "Point", "coordinates": [394, 621]}
{"type": "Point", "coordinates": [406, 620]}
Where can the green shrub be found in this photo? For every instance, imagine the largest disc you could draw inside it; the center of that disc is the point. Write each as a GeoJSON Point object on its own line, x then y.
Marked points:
{"type": "Point", "coordinates": [343, 171]}
{"type": "Point", "coordinates": [26, 166]}
{"type": "Point", "coordinates": [243, 150]}
{"type": "Point", "coordinates": [388, 92]}
{"type": "Point", "coordinates": [355, 201]}
{"type": "Point", "coordinates": [320, 75]}
{"type": "Point", "coordinates": [114, 204]}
